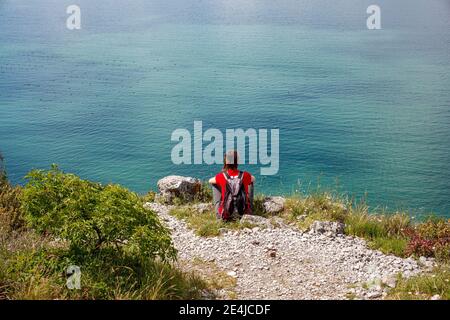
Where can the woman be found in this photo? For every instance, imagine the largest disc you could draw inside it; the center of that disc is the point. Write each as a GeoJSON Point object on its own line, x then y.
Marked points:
{"type": "Point", "coordinates": [232, 189]}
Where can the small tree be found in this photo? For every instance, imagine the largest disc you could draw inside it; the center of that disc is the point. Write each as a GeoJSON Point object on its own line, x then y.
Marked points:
{"type": "Point", "coordinates": [93, 217]}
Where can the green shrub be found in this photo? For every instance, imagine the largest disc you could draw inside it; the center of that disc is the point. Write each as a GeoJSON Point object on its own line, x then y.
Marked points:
{"type": "Point", "coordinates": [122, 249]}
{"type": "Point", "coordinates": [11, 217]}
{"type": "Point", "coordinates": [434, 228]}
{"type": "Point", "coordinates": [149, 197]}
{"type": "Point", "coordinates": [38, 273]}
{"type": "Point", "coordinates": [108, 274]}
{"type": "Point", "coordinates": [91, 216]}
{"type": "Point", "coordinates": [442, 253]}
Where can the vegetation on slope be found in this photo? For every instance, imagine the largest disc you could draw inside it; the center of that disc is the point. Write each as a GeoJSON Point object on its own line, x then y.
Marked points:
{"type": "Point", "coordinates": [424, 286]}
{"type": "Point", "coordinates": [206, 224]}
{"type": "Point", "coordinates": [395, 233]}
{"type": "Point", "coordinates": [58, 220]}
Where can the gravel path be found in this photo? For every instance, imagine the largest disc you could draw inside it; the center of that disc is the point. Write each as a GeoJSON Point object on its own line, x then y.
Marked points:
{"type": "Point", "coordinates": [284, 263]}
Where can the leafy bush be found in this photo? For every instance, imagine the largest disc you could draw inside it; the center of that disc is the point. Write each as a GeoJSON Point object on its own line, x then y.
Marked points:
{"type": "Point", "coordinates": [91, 216]}
{"type": "Point", "coordinates": [430, 239]}
{"type": "Point", "coordinates": [121, 248]}
{"type": "Point", "coordinates": [149, 197]}
{"type": "Point", "coordinates": [11, 217]}
{"type": "Point", "coordinates": [30, 274]}
{"type": "Point", "coordinates": [434, 228]}
{"type": "Point", "coordinates": [10, 214]}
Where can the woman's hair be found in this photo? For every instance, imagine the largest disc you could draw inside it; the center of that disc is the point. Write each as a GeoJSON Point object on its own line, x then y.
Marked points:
{"type": "Point", "coordinates": [230, 160]}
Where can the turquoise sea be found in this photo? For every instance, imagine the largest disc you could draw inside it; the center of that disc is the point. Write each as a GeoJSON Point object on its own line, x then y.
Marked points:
{"type": "Point", "coordinates": [363, 111]}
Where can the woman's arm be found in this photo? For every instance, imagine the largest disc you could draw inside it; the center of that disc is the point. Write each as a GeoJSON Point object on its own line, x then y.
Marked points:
{"type": "Point", "coordinates": [253, 179]}
{"type": "Point", "coordinates": [212, 180]}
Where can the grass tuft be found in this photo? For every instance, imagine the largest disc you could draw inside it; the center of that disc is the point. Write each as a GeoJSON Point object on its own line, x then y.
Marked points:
{"type": "Point", "coordinates": [206, 224]}
{"type": "Point", "coordinates": [34, 268]}
{"type": "Point", "coordinates": [424, 286]}
{"type": "Point", "coordinates": [216, 278]}
{"type": "Point", "coordinates": [315, 207]}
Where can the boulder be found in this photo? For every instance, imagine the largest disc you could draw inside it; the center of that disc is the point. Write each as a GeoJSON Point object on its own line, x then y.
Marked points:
{"type": "Point", "coordinates": [328, 228]}
{"type": "Point", "coordinates": [273, 205]}
{"type": "Point", "coordinates": [185, 188]}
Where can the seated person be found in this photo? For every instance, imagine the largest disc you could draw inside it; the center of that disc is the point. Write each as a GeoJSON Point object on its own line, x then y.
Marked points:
{"type": "Point", "coordinates": [232, 189]}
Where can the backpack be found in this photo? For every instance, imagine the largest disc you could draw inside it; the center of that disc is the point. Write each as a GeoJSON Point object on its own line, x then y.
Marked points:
{"type": "Point", "coordinates": [235, 199]}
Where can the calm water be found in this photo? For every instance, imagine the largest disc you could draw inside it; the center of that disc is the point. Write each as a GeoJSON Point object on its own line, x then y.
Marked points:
{"type": "Point", "coordinates": [363, 111]}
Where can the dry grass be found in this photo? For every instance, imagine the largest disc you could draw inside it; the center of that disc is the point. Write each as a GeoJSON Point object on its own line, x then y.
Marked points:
{"type": "Point", "coordinates": [216, 278]}
{"type": "Point", "coordinates": [424, 286]}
